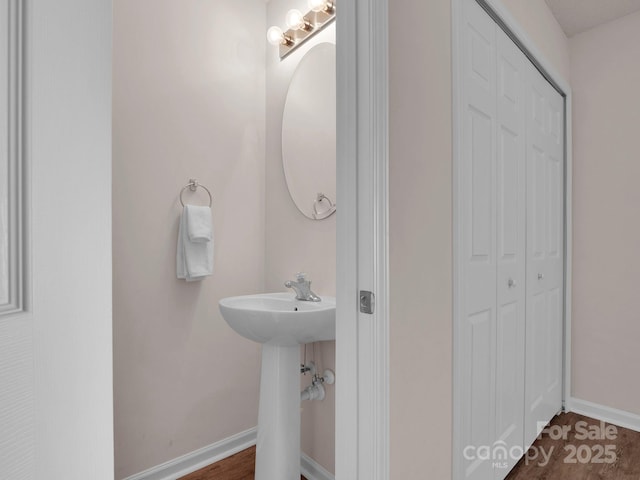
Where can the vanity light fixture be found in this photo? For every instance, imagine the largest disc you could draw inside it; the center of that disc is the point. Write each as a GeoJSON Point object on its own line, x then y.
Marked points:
{"type": "Point", "coordinates": [321, 5]}
{"type": "Point", "coordinates": [296, 21]}
{"type": "Point", "coordinates": [302, 27]}
{"type": "Point", "coordinates": [276, 36]}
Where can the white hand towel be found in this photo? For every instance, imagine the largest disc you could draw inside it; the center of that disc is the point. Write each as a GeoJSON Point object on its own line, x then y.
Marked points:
{"type": "Point", "coordinates": [199, 225]}
{"type": "Point", "coordinates": [194, 261]}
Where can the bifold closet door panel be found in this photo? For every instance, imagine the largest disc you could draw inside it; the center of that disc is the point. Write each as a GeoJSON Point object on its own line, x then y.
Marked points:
{"type": "Point", "coordinates": [477, 331]}
{"type": "Point", "coordinates": [511, 183]}
{"type": "Point", "coordinates": [545, 253]}
{"type": "Point", "coordinates": [511, 252]}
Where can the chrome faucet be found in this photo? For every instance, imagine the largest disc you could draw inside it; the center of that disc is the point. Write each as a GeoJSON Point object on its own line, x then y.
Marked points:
{"type": "Point", "coordinates": [302, 287]}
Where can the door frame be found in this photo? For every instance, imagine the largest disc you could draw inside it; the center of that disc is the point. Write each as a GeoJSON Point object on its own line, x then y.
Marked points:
{"type": "Point", "coordinates": [497, 10]}
{"type": "Point", "coordinates": [362, 340]}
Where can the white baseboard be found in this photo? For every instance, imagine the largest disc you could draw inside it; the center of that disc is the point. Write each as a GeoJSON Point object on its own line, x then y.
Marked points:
{"type": "Point", "coordinates": [181, 466]}
{"type": "Point", "coordinates": [312, 470]}
{"type": "Point", "coordinates": [193, 461]}
{"type": "Point", "coordinates": [607, 414]}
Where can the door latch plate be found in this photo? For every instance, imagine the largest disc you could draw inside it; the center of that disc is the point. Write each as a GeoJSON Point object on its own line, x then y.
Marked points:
{"type": "Point", "coordinates": [367, 301]}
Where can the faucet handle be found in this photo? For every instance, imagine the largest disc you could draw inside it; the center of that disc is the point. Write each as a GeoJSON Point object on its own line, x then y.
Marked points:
{"type": "Point", "coordinates": [301, 277]}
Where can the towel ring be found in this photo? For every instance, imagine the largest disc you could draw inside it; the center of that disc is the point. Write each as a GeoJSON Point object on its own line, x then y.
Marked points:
{"type": "Point", "coordinates": [193, 186]}
{"type": "Point", "coordinates": [326, 213]}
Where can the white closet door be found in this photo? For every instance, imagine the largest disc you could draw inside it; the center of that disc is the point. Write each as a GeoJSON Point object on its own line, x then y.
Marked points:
{"type": "Point", "coordinates": [511, 252]}
{"type": "Point", "coordinates": [511, 256]}
{"type": "Point", "coordinates": [545, 247]}
{"type": "Point", "coordinates": [478, 210]}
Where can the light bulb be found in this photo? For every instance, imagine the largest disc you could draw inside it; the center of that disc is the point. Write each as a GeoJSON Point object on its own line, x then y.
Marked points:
{"type": "Point", "coordinates": [295, 19]}
{"type": "Point", "coordinates": [275, 36]}
{"type": "Point", "coordinates": [318, 5]}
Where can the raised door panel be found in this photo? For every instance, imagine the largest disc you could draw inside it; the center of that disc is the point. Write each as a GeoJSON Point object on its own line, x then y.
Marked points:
{"type": "Point", "coordinates": [12, 224]}
{"type": "Point", "coordinates": [4, 158]}
{"type": "Point", "coordinates": [511, 257]}
{"type": "Point", "coordinates": [478, 228]}
{"type": "Point", "coordinates": [479, 372]}
{"type": "Point", "coordinates": [554, 269]}
{"type": "Point", "coordinates": [545, 247]}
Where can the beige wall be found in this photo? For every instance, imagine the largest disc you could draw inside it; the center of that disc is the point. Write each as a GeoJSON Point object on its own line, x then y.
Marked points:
{"type": "Point", "coordinates": [421, 224]}
{"type": "Point", "coordinates": [542, 27]}
{"type": "Point", "coordinates": [420, 238]}
{"type": "Point", "coordinates": [188, 102]}
{"type": "Point", "coordinates": [293, 242]}
{"type": "Point", "coordinates": [605, 72]}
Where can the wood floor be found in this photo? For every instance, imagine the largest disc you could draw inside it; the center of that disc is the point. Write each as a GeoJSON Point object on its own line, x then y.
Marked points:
{"type": "Point", "coordinates": [574, 458]}
{"type": "Point", "coordinates": [240, 466]}
{"type": "Point", "coordinates": [557, 456]}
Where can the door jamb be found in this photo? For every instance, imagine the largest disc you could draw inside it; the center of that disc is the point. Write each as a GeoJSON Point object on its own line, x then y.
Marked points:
{"type": "Point", "coordinates": [362, 346]}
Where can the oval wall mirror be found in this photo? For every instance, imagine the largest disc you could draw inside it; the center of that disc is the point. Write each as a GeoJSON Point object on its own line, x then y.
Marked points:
{"type": "Point", "coordinates": [309, 133]}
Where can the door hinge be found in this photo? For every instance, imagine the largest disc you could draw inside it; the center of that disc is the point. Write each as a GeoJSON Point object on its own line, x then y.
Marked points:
{"type": "Point", "coordinates": [367, 301]}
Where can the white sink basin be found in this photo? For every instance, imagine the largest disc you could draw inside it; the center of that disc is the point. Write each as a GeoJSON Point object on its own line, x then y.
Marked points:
{"type": "Point", "coordinates": [280, 323]}
{"type": "Point", "coordinates": [279, 319]}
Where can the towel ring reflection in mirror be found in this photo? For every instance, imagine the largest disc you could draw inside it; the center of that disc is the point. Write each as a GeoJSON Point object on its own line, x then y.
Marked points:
{"type": "Point", "coordinates": [193, 186]}
{"type": "Point", "coordinates": [330, 207]}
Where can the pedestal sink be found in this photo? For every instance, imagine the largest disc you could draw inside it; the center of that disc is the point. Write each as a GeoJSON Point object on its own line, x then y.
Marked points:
{"type": "Point", "coordinates": [281, 323]}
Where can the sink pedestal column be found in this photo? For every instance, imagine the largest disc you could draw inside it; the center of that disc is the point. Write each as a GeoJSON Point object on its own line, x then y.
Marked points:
{"type": "Point", "coordinates": [278, 445]}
